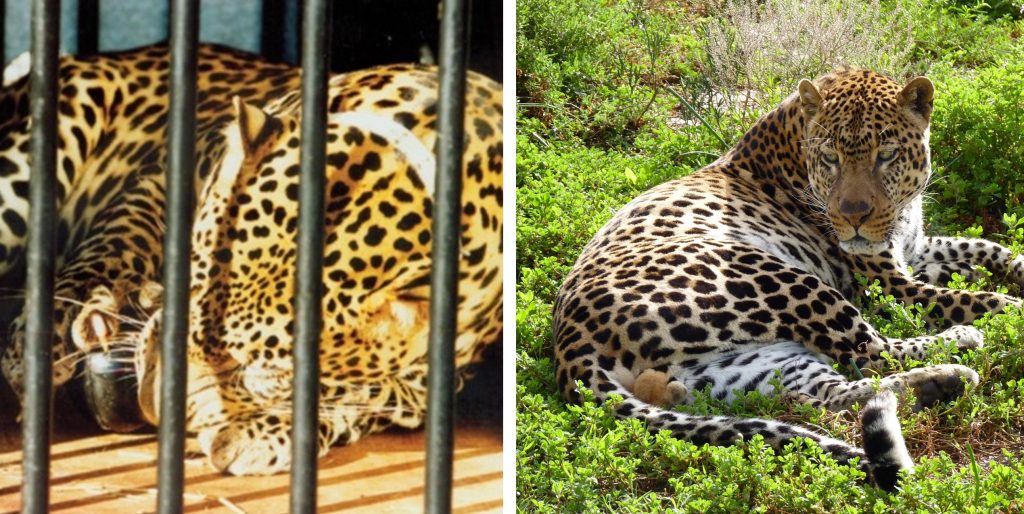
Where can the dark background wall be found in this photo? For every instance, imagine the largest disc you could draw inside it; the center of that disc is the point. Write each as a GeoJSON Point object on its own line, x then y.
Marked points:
{"type": "Point", "coordinates": [365, 32]}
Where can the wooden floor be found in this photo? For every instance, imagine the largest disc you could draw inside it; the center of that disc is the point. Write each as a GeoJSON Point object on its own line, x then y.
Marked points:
{"type": "Point", "coordinates": [112, 473]}
{"type": "Point", "coordinates": [100, 473]}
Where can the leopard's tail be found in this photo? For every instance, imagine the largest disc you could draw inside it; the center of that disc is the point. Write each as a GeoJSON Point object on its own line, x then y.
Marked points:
{"type": "Point", "coordinates": [883, 441]}
{"type": "Point", "coordinates": [883, 455]}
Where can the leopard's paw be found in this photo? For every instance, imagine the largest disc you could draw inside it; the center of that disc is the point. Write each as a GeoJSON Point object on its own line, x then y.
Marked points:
{"type": "Point", "coordinates": [658, 388]}
{"type": "Point", "coordinates": [966, 337]}
{"type": "Point", "coordinates": [941, 383]}
{"type": "Point", "coordinates": [259, 443]}
{"type": "Point", "coordinates": [254, 444]}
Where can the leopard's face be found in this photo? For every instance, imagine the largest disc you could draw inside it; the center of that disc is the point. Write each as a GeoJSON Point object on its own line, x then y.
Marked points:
{"type": "Point", "coordinates": [866, 151]}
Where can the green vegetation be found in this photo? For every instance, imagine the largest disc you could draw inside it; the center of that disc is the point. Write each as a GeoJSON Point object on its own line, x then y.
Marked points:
{"type": "Point", "coordinates": [615, 97]}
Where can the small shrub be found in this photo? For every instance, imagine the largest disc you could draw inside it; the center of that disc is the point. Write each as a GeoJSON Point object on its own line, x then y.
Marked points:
{"type": "Point", "coordinates": [591, 72]}
{"type": "Point", "coordinates": [994, 9]}
{"type": "Point", "coordinates": [978, 142]}
{"type": "Point", "coordinates": [961, 32]}
{"type": "Point", "coordinates": [572, 192]}
{"type": "Point", "coordinates": [758, 51]}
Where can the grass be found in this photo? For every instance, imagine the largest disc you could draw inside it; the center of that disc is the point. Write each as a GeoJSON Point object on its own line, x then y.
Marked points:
{"type": "Point", "coordinates": [597, 125]}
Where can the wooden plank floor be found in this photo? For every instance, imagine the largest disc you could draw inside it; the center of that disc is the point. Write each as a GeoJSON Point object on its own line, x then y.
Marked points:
{"type": "Point", "coordinates": [112, 473]}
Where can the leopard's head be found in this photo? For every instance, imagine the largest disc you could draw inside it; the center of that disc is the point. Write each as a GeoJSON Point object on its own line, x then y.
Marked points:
{"type": "Point", "coordinates": [866, 150]}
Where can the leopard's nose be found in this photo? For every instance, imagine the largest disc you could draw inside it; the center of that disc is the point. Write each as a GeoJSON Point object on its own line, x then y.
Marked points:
{"type": "Point", "coordinates": [110, 386]}
{"type": "Point", "coordinates": [855, 212]}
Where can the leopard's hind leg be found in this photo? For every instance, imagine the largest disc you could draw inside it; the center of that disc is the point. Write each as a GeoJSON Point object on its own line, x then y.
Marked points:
{"type": "Point", "coordinates": [659, 388]}
{"type": "Point", "coordinates": [791, 369]}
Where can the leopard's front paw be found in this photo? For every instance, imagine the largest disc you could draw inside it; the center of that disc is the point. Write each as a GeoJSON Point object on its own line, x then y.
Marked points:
{"type": "Point", "coordinates": [12, 358]}
{"type": "Point", "coordinates": [13, 370]}
{"type": "Point", "coordinates": [252, 444]}
{"type": "Point", "coordinates": [941, 383]}
{"type": "Point", "coordinates": [966, 337]}
{"type": "Point", "coordinates": [259, 443]}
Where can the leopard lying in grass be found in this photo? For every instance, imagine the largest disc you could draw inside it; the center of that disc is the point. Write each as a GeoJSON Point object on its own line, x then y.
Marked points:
{"type": "Point", "coordinates": [742, 273]}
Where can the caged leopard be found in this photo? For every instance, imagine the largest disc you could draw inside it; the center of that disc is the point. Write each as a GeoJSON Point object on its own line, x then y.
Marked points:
{"type": "Point", "coordinates": [739, 277]}
{"type": "Point", "coordinates": [378, 195]}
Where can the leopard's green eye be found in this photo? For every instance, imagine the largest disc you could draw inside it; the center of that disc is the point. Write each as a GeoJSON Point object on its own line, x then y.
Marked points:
{"type": "Point", "coordinates": [830, 157]}
{"type": "Point", "coordinates": [886, 154]}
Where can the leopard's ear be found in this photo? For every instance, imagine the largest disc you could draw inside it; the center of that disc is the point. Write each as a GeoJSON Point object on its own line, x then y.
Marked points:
{"type": "Point", "coordinates": [916, 98]}
{"type": "Point", "coordinates": [255, 126]}
{"type": "Point", "coordinates": [810, 98]}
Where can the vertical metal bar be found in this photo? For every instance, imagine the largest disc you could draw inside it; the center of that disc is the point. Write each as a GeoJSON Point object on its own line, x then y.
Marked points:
{"type": "Point", "coordinates": [88, 27]}
{"type": "Point", "coordinates": [445, 257]}
{"type": "Point", "coordinates": [271, 36]}
{"type": "Point", "coordinates": [309, 258]}
{"type": "Point", "coordinates": [181, 118]}
{"type": "Point", "coordinates": [37, 426]}
{"type": "Point", "coordinates": [279, 30]}
{"type": "Point", "coordinates": [3, 32]}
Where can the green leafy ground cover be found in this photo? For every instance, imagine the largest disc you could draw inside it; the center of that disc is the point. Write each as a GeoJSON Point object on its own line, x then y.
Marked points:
{"type": "Point", "coordinates": [616, 97]}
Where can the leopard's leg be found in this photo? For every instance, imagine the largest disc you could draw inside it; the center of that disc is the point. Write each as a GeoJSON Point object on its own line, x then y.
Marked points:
{"type": "Point", "coordinates": [937, 258]}
{"type": "Point", "coordinates": [931, 385]}
{"type": "Point", "coordinates": [952, 306]}
{"type": "Point", "coordinates": [940, 273]}
{"type": "Point", "coordinates": [112, 282]}
{"type": "Point", "coordinates": [64, 360]}
{"type": "Point", "coordinates": [794, 371]}
{"type": "Point", "coordinates": [883, 455]}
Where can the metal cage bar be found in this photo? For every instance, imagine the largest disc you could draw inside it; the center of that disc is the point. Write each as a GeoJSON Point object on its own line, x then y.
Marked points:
{"type": "Point", "coordinates": [445, 256]}
{"type": "Point", "coordinates": [37, 424]}
{"type": "Point", "coordinates": [3, 32]}
{"type": "Point", "coordinates": [88, 27]}
{"type": "Point", "coordinates": [181, 118]}
{"type": "Point", "coordinates": [309, 258]}
{"type": "Point", "coordinates": [279, 34]}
